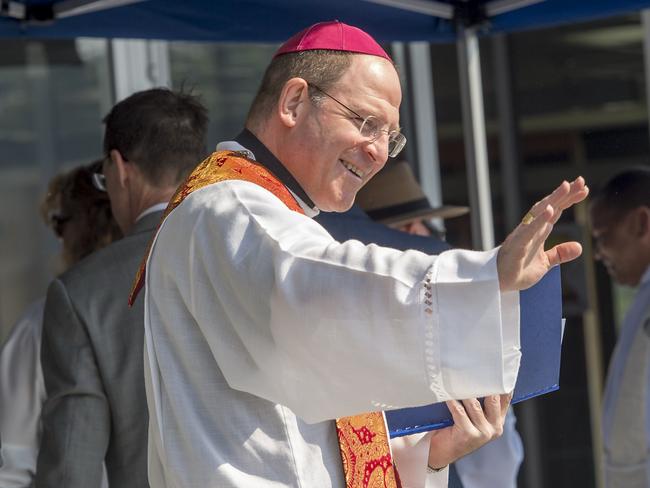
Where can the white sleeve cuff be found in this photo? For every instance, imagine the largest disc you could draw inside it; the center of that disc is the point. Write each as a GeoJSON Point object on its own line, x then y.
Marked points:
{"type": "Point", "coordinates": [472, 347]}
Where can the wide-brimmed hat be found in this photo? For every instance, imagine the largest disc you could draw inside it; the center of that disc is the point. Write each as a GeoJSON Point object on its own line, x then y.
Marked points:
{"type": "Point", "coordinates": [394, 197]}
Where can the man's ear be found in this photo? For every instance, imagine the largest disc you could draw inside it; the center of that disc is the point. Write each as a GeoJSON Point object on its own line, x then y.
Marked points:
{"type": "Point", "coordinates": [642, 223]}
{"type": "Point", "coordinates": [292, 101]}
{"type": "Point", "coordinates": [122, 166]}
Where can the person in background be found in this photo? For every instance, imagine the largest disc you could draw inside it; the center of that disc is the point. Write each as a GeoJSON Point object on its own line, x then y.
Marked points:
{"type": "Point", "coordinates": [270, 348]}
{"type": "Point", "coordinates": [96, 410]}
{"type": "Point", "coordinates": [620, 219]}
{"type": "Point", "coordinates": [395, 199]}
{"type": "Point", "coordinates": [399, 216]}
{"type": "Point", "coordinates": [80, 216]}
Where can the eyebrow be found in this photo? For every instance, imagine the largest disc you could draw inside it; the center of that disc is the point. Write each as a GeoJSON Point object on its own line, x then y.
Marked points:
{"type": "Point", "coordinates": [356, 110]}
{"type": "Point", "coordinates": [398, 128]}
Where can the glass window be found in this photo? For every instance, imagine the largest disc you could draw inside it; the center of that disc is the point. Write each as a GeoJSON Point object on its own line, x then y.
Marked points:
{"type": "Point", "coordinates": [53, 95]}
{"type": "Point", "coordinates": [226, 76]}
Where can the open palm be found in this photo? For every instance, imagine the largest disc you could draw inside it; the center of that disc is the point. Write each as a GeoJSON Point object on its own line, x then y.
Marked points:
{"type": "Point", "coordinates": [522, 260]}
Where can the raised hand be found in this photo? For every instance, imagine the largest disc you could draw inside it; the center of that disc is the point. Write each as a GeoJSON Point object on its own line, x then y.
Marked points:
{"type": "Point", "coordinates": [474, 426]}
{"type": "Point", "coordinates": [522, 260]}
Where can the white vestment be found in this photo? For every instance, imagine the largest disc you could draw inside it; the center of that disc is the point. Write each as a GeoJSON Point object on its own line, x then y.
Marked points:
{"type": "Point", "coordinates": [260, 328]}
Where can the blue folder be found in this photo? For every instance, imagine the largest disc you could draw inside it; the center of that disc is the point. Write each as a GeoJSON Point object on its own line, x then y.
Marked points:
{"type": "Point", "coordinates": [539, 371]}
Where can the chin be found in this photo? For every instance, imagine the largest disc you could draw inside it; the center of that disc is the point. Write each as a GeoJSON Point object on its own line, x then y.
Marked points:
{"type": "Point", "coordinates": [342, 206]}
{"type": "Point", "coordinates": [336, 205]}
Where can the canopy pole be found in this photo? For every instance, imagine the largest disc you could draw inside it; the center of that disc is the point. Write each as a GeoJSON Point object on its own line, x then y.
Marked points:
{"type": "Point", "coordinates": [478, 175]}
{"type": "Point", "coordinates": [645, 23]}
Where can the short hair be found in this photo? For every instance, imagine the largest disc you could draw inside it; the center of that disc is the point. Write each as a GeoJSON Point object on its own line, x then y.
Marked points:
{"type": "Point", "coordinates": [161, 131]}
{"type": "Point", "coordinates": [625, 191]}
{"type": "Point", "coordinates": [319, 66]}
{"type": "Point", "coordinates": [72, 195]}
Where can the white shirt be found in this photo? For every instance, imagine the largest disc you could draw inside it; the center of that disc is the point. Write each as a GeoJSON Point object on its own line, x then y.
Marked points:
{"type": "Point", "coordinates": [22, 393]}
{"type": "Point", "coordinates": [619, 461]}
{"type": "Point", "coordinates": [158, 207]}
{"type": "Point", "coordinates": [260, 327]}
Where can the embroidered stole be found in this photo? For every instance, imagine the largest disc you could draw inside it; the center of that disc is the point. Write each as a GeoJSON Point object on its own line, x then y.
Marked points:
{"type": "Point", "coordinates": [363, 439]}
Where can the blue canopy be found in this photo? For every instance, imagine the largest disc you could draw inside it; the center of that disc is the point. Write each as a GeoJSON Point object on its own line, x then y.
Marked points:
{"type": "Point", "coordinates": [275, 20]}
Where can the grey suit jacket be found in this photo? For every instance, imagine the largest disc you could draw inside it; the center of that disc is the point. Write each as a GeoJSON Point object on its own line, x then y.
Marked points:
{"type": "Point", "coordinates": [92, 359]}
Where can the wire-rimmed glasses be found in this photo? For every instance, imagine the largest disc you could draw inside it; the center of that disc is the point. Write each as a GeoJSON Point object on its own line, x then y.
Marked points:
{"type": "Point", "coordinates": [370, 127]}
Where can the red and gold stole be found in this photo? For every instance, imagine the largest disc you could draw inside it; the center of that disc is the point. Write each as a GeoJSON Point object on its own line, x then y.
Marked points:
{"type": "Point", "coordinates": [363, 439]}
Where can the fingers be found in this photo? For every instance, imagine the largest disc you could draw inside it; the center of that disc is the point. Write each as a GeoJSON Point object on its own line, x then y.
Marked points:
{"type": "Point", "coordinates": [474, 426]}
{"type": "Point", "coordinates": [553, 199]}
{"type": "Point", "coordinates": [524, 234]}
{"type": "Point", "coordinates": [505, 400]}
{"type": "Point", "coordinates": [563, 197]}
{"type": "Point", "coordinates": [459, 415]}
{"type": "Point", "coordinates": [477, 416]}
{"type": "Point", "coordinates": [537, 243]}
{"type": "Point", "coordinates": [521, 260]}
{"type": "Point", "coordinates": [542, 216]}
{"type": "Point", "coordinates": [482, 422]}
{"type": "Point", "coordinates": [496, 408]}
{"type": "Point", "coordinates": [492, 405]}
{"type": "Point", "coordinates": [563, 253]}
{"type": "Point", "coordinates": [578, 192]}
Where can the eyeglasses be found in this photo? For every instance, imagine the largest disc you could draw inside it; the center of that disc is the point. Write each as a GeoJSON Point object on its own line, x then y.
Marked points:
{"type": "Point", "coordinates": [58, 222]}
{"type": "Point", "coordinates": [98, 178]}
{"type": "Point", "coordinates": [370, 127]}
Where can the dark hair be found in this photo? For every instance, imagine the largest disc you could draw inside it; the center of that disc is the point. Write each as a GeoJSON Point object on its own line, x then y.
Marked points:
{"type": "Point", "coordinates": [625, 191]}
{"type": "Point", "coordinates": [320, 66]}
{"type": "Point", "coordinates": [71, 195]}
{"type": "Point", "coordinates": [161, 131]}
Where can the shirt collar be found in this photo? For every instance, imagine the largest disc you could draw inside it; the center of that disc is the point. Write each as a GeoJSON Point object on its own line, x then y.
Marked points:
{"type": "Point", "coordinates": [158, 207]}
{"type": "Point", "coordinates": [252, 148]}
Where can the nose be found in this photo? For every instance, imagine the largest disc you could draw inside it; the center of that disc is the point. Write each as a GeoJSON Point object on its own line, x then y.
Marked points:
{"type": "Point", "coordinates": [378, 149]}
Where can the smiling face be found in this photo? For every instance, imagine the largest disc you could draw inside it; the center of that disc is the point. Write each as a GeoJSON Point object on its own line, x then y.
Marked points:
{"type": "Point", "coordinates": [325, 151]}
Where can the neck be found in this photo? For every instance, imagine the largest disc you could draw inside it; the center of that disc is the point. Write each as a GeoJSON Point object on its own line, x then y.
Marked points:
{"type": "Point", "coordinates": [149, 196]}
{"type": "Point", "coordinates": [274, 161]}
{"type": "Point", "coordinates": [269, 136]}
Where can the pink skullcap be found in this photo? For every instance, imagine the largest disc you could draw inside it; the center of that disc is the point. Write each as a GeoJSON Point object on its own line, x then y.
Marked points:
{"type": "Point", "coordinates": [333, 36]}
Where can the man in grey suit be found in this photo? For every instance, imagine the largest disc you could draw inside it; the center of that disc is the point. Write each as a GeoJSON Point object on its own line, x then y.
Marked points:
{"type": "Point", "coordinates": [92, 342]}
